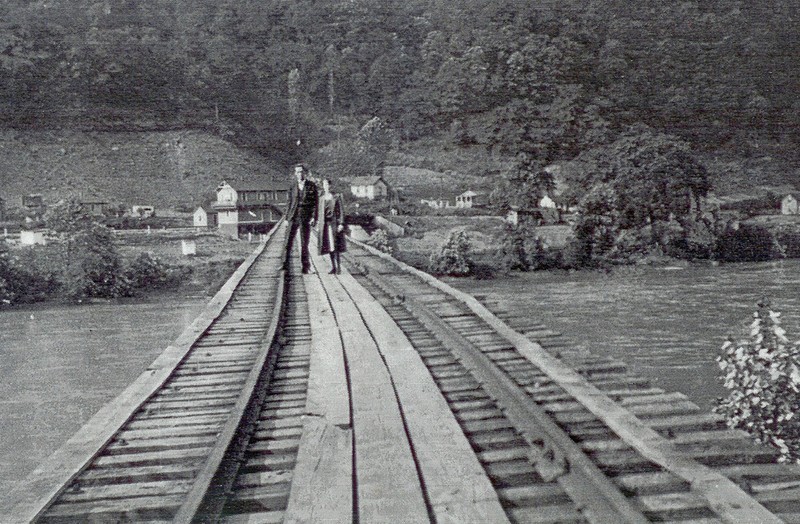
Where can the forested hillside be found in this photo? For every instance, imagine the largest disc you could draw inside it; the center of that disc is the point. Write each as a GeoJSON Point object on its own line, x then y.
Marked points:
{"type": "Point", "coordinates": [550, 78]}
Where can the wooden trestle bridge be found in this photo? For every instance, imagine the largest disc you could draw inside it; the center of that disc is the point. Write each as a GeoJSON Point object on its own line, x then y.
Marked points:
{"type": "Point", "coordinates": [383, 395]}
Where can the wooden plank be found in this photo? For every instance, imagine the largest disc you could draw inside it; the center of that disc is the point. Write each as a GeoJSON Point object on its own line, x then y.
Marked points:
{"type": "Point", "coordinates": [125, 491]}
{"type": "Point", "coordinates": [140, 509]}
{"type": "Point", "coordinates": [322, 485]}
{"type": "Point", "coordinates": [457, 486]}
{"type": "Point", "coordinates": [727, 499]}
{"type": "Point", "coordinates": [388, 487]}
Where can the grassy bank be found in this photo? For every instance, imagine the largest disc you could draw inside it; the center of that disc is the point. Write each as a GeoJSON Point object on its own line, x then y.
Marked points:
{"type": "Point", "coordinates": [146, 263]}
{"type": "Point", "coordinates": [215, 260]}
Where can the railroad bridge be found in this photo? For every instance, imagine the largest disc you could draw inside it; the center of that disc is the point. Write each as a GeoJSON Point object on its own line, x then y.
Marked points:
{"type": "Point", "coordinates": [384, 395]}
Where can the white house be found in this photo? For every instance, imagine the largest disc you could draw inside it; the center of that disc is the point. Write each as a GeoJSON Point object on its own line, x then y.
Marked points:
{"type": "Point", "coordinates": [547, 202]}
{"type": "Point", "coordinates": [469, 199]}
{"type": "Point", "coordinates": [248, 210]}
{"type": "Point", "coordinates": [789, 205]}
{"type": "Point", "coordinates": [143, 211]}
{"type": "Point", "coordinates": [204, 216]}
{"type": "Point", "coordinates": [29, 237]}
{"type": "Point", "coordinates": [371, 187]}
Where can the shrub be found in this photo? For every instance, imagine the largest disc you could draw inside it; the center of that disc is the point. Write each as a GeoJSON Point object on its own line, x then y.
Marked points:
{"type": "Point", "coordinates": [453, 257]}
{"type": "Point", "coordinates": [513, 255]}
{"type": "Point", "coordinates": [380, 241]}
{"type": "Point", "coordinates": [763, 376]}
{"type": "Point", "coordinates": [92, 264]}
{"type": "Point", "coordinates": [147, 271]}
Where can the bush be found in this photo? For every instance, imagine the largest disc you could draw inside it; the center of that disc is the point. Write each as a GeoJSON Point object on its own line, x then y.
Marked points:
{"type": "Point", "coordinates": [25, 275]}
{"type": "Point", "coordinates": [147, 271]}
{"type": "Point", "coordinates": [453, 257]}
{"type": "Point", "coordinates": [763, 376]}
{"type": "Point", "coordinates": [380, 241]}
{"type": "Point", "coordinates": [92, 265]}
{"type": "Point", "coordinates": [513, 255]}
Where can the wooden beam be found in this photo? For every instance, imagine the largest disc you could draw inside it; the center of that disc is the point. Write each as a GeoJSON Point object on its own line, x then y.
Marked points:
{"type": "Point", "coordinates": [456, 484]}
{"type": "Point", "coordinates": [388, 487]}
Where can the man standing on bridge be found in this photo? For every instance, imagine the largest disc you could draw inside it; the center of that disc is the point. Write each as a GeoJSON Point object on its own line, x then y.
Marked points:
{"type": "Point", "coordinates": [301, 213]}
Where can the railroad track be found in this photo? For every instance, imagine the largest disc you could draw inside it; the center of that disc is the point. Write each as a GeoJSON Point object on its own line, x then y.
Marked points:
{"type": "Point", "coordinates": [595, 444]}
{"type": "Point", "coordinates": [169, 448]}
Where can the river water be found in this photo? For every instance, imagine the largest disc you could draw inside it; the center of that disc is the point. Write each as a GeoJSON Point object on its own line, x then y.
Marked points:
{"type": "Point", "coordinates": [667, 323]}
{"type": "Point", "coordinates": [60, 363]}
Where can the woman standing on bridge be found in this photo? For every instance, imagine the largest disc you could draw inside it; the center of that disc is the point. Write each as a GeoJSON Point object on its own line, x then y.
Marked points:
{"type": "Point", "coordinates": [331, 231]}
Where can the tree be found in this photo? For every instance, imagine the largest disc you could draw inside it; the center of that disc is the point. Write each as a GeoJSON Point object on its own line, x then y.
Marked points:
{"type": "Point", "coordinates": [91, 263]}
{"type": "Point", "coordinates": [642, 181]}
{"type": "Point", "coordinates": [453, 257]}
{"type": "Point", "coordinates": [523, 186]}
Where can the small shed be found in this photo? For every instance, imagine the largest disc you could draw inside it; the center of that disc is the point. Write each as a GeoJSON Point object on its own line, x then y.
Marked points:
{"type": "Point", "coordinates": [205, 216]}
{"type": "Point", "coordinates": [789, 205]}
{"type": "Point", "coordinates": [95, 206]}
{"type": "Point", "coordinates": [371, 187]}
{"type": "Point", "coordinates": [547, 202]}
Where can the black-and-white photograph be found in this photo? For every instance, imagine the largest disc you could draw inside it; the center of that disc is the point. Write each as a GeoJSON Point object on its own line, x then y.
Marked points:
{"type": "Point", "coordinates": [371, 261]}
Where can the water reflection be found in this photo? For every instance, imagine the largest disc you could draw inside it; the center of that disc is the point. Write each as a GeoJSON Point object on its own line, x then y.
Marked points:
{"type": "Point", "coordinates": [60, 364]}
{"type": "Point", "coordinates": [668, 324]}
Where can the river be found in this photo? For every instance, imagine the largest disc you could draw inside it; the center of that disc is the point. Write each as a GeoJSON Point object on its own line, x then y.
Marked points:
{"type": "Point", "coordinates": [667, 323]}
{"type": "Point", "coordinates": [60, 363]}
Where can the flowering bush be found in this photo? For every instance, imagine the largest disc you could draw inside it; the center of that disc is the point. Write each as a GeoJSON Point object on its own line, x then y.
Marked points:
{"type": "Point", "coordinates": [453, 256]}
{"type": "Point", "coordinates": [763, 376]}
{"type": "Point", "coordinates": [380, 241]}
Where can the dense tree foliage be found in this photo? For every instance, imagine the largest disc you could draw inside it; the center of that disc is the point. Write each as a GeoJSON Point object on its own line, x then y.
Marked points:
{"type": "Point", "coordinates": [91, 264]}
{"type": "Point", "coordinates": [551, 79]}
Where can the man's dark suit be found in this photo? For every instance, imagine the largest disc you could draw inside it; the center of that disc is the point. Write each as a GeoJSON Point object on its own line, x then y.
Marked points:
{"type": "Point", "coordinates": [300, 212]}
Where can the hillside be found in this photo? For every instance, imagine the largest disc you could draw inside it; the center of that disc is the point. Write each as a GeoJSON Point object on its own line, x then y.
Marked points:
{"type": "Point", "coordinates": [163, 169]}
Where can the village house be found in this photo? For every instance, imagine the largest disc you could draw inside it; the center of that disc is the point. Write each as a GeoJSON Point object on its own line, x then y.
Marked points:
{"type": "Point", "coordinates": [242, 210]}
{"type": "Point", "coordinates": [95, 206]}
{"type": "Point", "coordinates": [204, 216]}
{"type": "Point", "coordinates": [33, 201]}
{"type": "Point", "coordinates": [370, 187]}
{"type": "Point", "coordinates": [789, 205]}
{"type": "Point", "coordinates": [143, 211]}
{"type": "Point", "coordinates": [469, 199]}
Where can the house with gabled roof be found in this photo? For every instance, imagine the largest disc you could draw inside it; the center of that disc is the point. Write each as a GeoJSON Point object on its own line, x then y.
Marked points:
{"type": "Point", "coordinates": [790, 204]}
{"type": "Point", "coordinates": [371, 187]}
{"type": "Point", "coordinates": [245, 209]}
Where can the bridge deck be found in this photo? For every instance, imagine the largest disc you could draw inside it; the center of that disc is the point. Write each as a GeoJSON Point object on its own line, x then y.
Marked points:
{"type": "Point", "coordinates": [384, 395]}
